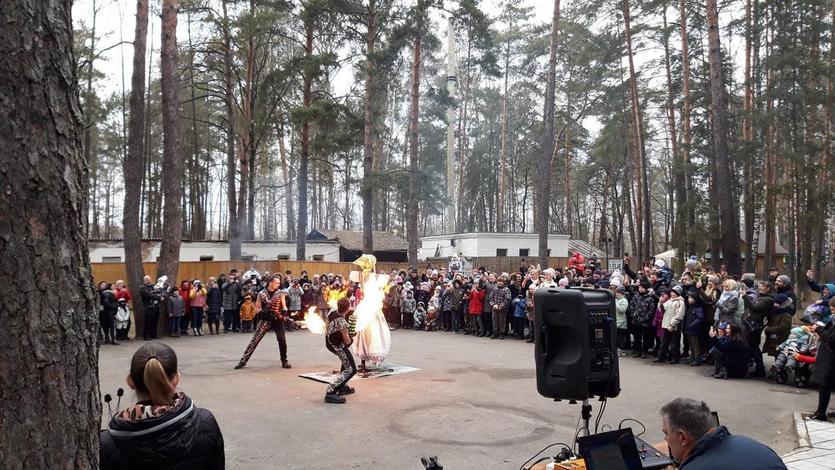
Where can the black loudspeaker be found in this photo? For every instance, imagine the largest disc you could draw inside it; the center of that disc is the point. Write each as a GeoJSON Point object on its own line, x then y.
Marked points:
{"type": "Point", "coordinates": [576, 343]}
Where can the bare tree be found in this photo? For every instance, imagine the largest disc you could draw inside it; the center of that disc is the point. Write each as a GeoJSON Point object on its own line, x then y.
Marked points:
{"type": "Point", "coordinates": [546, 157]}
{"type": "Point", "coordinates": [50, 407]}
{"type": "Point", "coordinates": [728, 215]}
{"type": "Point", "coordinates": [172, 171]}
{"type": "Point", "coordinates": [135, 162]}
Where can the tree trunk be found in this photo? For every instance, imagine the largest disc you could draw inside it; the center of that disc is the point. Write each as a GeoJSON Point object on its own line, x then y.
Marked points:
{"type": "Point", "coordinates": [172, 174]}
{"type": "Point", "coordinates": [412, 203]}
{"type": "Point", "coordinates": [369, 131]}
{"type": "Point", "coordinates": [547, 146]}
{"type": "Point", "coordinates": [501, 223]}
{"type": "Point", "coordinates": [644, 222]}
{"type": "Point", "coordinates": [727, 203]}
{"type": "Point", "coordinates": [285, 170]}
{"type": "Point", "coordinates": [569, 218]}
{"type": "Point", "coordinates": [229, 102]}
{"type": "Point", "coordinates": [135, 162]}
{"type": "Point", "coordinates": [748, 146]}
{"type": "Point", "coordinates": [50, 405]}
{"type": "Point", "coordinates": [680, 228]}
{"type": "Point", "coordinates": [304, 157]}
{"type": "Point", "coordinates": [686, 137]}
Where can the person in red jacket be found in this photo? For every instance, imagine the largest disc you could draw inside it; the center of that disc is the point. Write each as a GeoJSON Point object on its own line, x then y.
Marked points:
{"type": "Point", "coordinates": [476, 307]}
{"type": "Point", "coordinates": [185, 294]}
{"type": "Point", "coordinates": [122, 292]}
{"type": "Point", "coordinates": [577, 262]}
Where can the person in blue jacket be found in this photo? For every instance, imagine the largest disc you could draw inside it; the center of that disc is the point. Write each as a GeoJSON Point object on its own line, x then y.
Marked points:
{"type": "Point", "coordinates": [696, 444]}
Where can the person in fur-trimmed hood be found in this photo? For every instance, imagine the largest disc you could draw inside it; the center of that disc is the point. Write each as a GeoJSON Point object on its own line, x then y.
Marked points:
{"type": "Point", "coordinates": [164, 429]}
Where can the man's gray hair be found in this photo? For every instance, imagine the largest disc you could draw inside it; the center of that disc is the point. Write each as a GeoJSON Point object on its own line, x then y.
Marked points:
{"type": "Point", "coordinates": [691, 416]}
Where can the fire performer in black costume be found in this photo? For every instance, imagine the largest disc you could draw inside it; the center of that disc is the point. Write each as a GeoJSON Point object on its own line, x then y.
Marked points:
{"type": "Point", "coordinates": [338, 341]}
{"type": "Point", "coordinates": [272, 311]}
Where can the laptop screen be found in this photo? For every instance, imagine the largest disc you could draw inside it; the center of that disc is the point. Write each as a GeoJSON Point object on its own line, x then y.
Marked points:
{"type": "Point", "coordinates": [613, 450]}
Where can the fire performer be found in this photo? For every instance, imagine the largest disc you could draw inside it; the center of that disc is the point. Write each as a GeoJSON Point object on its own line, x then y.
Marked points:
{"type": "Point", "coordinates": [272, 311]}
{"type": "Point", "coordinates": [338, 341]}
{"type": "Point", "coordinates": [373, 340]}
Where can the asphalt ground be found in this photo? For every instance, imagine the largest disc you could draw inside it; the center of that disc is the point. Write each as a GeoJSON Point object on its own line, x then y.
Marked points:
{"type": "Point", "coordinates": [473, 403]}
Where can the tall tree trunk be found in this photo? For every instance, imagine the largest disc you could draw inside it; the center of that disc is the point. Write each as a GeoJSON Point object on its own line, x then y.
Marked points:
{"type": "Point", "coordinates": [719, 106]}
{"type": "Point", "coordinates": [411, 223]}
{"type": "Point", "coordinates": [285, 171]}
{"type": "Point", "coordinates": [686, 137]}
{"type": "Point", "coordinates": [644, 221]}
{"type": "Point", "coordinates": [567, 169]}
{"type": "Point", "coordinates": [90, 122]}
{"type": "Point", "coordinates": [135, 163]}
{"type": "Point", "coordinates": [501, 223]}
{"type": "Point", "coordinates": [50, 405]}
{"type": "Point", "coordinates": [172, 174]}
{"type": "Point", "coordinates": [680, 228]}
{"type": "Point", "coordinates": [547, 146]}
{"type": "Point", "coordinates": [464, 140]}
{"type": "Point", "coordinates": [369, 132]}
{"type": "Point", "coordinates": [229, 105]}
{"type": "Point", "coordinates": [304, 157]}
{"type": "Point", "coordinates": [749, 152]}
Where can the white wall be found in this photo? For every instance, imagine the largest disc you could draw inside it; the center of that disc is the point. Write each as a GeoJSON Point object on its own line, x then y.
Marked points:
{"type": "Point", "coordinates": [486, 244]}
{"type": "Point", "coordinates": [192, 251]}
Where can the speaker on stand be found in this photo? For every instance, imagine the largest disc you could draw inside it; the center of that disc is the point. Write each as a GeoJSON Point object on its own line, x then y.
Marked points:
{"type": "Point", "coordinates": [576, 345]}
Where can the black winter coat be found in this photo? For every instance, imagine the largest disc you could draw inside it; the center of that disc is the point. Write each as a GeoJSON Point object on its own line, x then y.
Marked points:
{"type": "Point", "coordinates": [823, 370]}
{"type": "Point", "coordinates": [183, 438]}
{"type": "Point", "coordinates": [760, 310]}
{"type": "Point", "coordinates": [214, 299]}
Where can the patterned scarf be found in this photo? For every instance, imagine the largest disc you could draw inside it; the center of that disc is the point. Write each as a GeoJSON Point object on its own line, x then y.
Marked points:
{"type": "Point", "coordinates": [141, 411]}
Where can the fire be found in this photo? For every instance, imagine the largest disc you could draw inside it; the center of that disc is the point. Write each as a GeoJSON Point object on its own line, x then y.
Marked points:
{"type": "Point", "coordinates": [372, 300]}
{"type": "Point", "coordinates": [314, 322]}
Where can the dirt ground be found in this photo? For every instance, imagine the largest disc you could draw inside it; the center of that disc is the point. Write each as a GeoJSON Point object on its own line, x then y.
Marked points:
{"type": "Point", "coordinates": [473, 403]}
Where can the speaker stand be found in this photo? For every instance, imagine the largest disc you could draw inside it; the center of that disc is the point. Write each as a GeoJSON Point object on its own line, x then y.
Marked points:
{"type": "Point", "coordinates": [585, 414]}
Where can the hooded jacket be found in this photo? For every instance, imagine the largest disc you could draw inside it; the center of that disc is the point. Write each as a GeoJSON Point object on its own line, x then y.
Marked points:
{"type": "Point", "coordinates": [182, 437]}
{"type": "Point", "coordinates": [720, 450]}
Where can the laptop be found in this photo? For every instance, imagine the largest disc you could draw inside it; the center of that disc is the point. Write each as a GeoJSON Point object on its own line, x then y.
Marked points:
{"type": "Point", "coordinates": [612, 450]}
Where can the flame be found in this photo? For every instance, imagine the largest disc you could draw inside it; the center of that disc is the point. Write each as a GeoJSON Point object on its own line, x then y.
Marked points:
{"type": "Point", "coordinates": [372, 300]}
{"type": "Point", "coordinates": [314, 322]}
{"type": "Point", "coordinates": [332, 296]}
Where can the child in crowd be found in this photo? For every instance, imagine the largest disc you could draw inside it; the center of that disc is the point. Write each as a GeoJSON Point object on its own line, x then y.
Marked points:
{"type": "Point", "coordinates": [693, 320]}
{"type": "Point", "coordinates": [621, 305]}
{"type": "Point", "coordinates": [420, 316]}
{"type": "Point", "coordinates": [431, 318]}
{"type": "Point", "coordinates": [520, 312]}
{"type": "Point", "coordinates": [408, 307]}
{"type": "Point", "coordinates": [122, 319]}
{"type": "Point", "coordinates": [476, 308]}
{"type": "Point", "coordinates": [658, 319]}
{"type": "Point", "coordinates": [175, 313]}
{"type": "Point", "coordinates": [247, 314]}
{"type": "Point", "coordinates": [797, 341]}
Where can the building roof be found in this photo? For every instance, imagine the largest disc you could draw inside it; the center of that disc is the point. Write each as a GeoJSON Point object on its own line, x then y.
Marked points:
{"type": "Point", "coordinates": [352, 239]}
{"type": "Point", "coordinates": [585, 248]}
{"type": "Point", "coordinates": [778, 248]}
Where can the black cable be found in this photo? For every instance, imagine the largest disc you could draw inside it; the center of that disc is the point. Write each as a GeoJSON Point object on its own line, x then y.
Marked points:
{"type": "Point", "coordinates": [600, 414]}
{"type": "Point", "coordinates": [633, 419]}
{"type": "Point", "coordinates": [541, 451]}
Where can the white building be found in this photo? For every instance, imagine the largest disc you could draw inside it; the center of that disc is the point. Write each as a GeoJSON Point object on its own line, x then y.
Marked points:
{"type": "Point", "coordinates": [484, 244]}
{"type": "Point", "coordinates": [113, 251]}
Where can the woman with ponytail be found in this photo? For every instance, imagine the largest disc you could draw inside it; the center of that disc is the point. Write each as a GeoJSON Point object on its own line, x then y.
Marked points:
{"type": "Point", "coordinates": [164, 429]}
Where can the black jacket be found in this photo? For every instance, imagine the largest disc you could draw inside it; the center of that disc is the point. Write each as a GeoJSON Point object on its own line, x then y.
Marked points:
{"type": "Point", "coordinates": [151, 296]}
{"type": "Point", "coordinates": [214, 299]}
{"type": "Point", "coordinates": [183, 438]}
{"type": "Point", "coordinates": [719, 450]}
{"type": "Point", "coordinates": [823, 370]}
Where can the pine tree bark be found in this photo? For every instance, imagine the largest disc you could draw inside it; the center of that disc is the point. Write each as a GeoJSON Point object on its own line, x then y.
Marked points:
{"type": "Point", "coordinates": [229, 106]}
{"type": "Point", "coordinates": [728, 215]}
{"type": "Point", "coordinates": [644, 222]}
{"type": "Point", "coordinates": [135, 163]}
{"type": "Point", "coordinates": [543, 192]}
{"type": "Point", "coordinates": [369, 131]}
{"type": "Point", "coordinates": [172, 173]}
{"type": "Point", "coordinates": [412, 222]}
{"type": "Point", "coordinates": [501, 223]}
{"type": "Point", "coordinates": [90, 123]}
{"type": "Point", "coordinates": [748, 146]}
{"type": "Point", "coordinates": [680, 228]}
{"type": "Point", "coordinates": [50, 406]}
{"type": "Point", "coordinates": [686, 136]}
{"type": "Point", "coordinates": [304, 157]}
